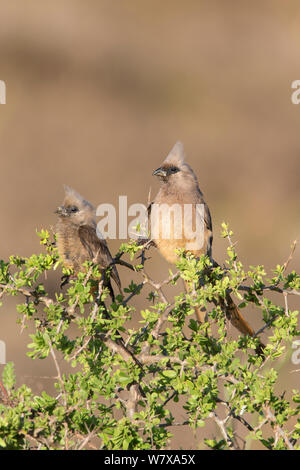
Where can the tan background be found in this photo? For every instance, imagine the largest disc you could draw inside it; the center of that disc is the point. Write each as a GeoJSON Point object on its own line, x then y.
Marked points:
{"type": "Point", "coordinates": [99, 91]}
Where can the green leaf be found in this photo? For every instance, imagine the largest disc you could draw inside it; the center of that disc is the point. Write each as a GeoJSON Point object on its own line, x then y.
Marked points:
{"type": "Point", "coordinates": [170, 374]}
{"type": "Point", "coordinates": [8, 376]}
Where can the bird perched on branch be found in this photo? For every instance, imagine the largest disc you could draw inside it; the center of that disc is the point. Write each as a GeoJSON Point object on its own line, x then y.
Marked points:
{"type": "Point", "coordinates": [77, 238]}
{"type": "Point", "coordinates": [180, 219]}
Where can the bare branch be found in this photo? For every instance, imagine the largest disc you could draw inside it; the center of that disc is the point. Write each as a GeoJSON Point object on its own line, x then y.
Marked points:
{"type": "Point", "coordinates": [294, 245]}
{"type": "Point", "coordinates": [278, 430]}
{"type": "Point", "coordinates": [221, 425]}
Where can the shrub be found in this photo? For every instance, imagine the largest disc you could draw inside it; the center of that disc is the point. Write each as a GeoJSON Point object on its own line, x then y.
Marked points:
{"type": "Point", "coordinates": [126, 381]}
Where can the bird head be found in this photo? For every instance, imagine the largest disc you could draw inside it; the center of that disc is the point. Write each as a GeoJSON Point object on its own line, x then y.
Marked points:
{"type": "Point", "coordinates": [174, 169]}
{"type": "Point", "coordinates": [76, 209]}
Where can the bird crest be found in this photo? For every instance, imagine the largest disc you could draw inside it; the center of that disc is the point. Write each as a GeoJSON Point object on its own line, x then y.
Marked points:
{"type": "Point", "coordinates": [74, 198]}
{"type": "Point", "coordinates": [176, 155]}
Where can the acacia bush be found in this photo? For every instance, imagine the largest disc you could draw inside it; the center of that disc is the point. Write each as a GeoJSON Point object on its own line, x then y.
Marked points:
{"type": "Point", "coordinates": [126, 381]}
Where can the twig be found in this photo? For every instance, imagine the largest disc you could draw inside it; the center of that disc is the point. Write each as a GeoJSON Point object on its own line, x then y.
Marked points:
{"type": "Point", "coordinates": [133, 293]}
{"type": "Point", "coordinates": [87, 439]}
{"type": "Point", "coordinates": [278, 430]}
{"type": "Point", "coordinates": [59, 376]}
{"type": "Point", "coordinates": [27, 293]}
{"type": "Point", "coordinates": [285, 296]}
{"type": "Point", "coordinates": [132, 402]}
{"type": "Point", "coordinates": [221, 424]}
{"type": "Point", "coordinates": [149, 358]}
{"type": "Point", "coordinates": [294, 244]}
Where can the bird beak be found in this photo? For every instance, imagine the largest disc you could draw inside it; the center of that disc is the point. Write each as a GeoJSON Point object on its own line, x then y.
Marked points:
{"type": "Point", "coordinates": [160, 172]}
{"type": "Point", "coordinates": [61, 210]}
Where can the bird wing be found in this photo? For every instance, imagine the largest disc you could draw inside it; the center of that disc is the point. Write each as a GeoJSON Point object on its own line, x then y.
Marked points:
{"type": "Point", "coordinates": [98, 250]}
{"type": "Point", "coordinates": [208, 233]}
{"type": "Point", "coordinates": [149, 208]}
{"type": "Point", "coordinates": [207, 217]}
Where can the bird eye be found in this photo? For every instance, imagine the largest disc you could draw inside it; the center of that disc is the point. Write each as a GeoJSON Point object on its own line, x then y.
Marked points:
{"type": "Point", "coordinates": [73, 209]}
{"type": "Point", "coordinates": [174, 169]}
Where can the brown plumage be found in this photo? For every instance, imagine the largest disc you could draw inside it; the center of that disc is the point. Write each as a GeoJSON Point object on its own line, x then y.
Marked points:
{"type": "Point", "coordinates": [179, 186]}
{"type": "Point", "coordinates": [77, 239]}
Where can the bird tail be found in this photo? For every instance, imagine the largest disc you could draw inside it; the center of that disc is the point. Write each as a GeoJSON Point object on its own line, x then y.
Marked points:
{"type": "Point", "coordinates": [115, 276]}
{"type": "Point", "coordinates": [233, 314]}
{"type": "Point", "coordinates": [238, 321]}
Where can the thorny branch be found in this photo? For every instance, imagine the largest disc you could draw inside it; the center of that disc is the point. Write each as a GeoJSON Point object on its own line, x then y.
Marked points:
{"type": "Point", "coordinates": [126, 350]}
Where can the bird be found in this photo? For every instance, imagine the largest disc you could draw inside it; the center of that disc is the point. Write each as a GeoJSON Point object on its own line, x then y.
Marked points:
{"type": "Point", "coordinates": [77, 238]}
{"type": "Point", "coordinates": [179, 190]}
{"type": "Point", "coordinates": [78, 242]}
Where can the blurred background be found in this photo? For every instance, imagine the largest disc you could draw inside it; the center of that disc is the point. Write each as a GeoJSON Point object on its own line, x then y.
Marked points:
{"type": "Point", "coordinates": [99, 91]}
